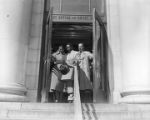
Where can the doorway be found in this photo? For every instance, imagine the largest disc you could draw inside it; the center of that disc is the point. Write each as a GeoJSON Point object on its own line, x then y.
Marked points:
{"type": "Point", "coordinates": [93, 35]}
{"type": "Point", "coordinates": [74, 33]}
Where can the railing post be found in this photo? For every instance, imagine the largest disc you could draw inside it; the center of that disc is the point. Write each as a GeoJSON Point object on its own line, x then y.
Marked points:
{"type": "Point", "coordinates": [77, 100]}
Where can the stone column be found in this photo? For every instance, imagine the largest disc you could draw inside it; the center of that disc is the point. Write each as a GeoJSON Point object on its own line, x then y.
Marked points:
{"type": "Point", "coordinates": [135, 50]}
{"type": "Point", "coordinates": [114, 54]}
{"type": "Point", "coordinates": [14, 31]}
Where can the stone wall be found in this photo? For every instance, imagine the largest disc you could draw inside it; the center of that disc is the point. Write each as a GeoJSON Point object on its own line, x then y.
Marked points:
{"type": "Point", "coordinates": [34, 45]}
{"type": "Point", "coordinates": [128, 31]}
{"type": "Point", "coordinates": [114, 55]}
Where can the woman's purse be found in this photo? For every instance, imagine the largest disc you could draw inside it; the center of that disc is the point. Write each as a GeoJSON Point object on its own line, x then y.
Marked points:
{"type": "Point", "coordinates": [69, 75]}
{"type": "Point", "coordinates": [64, 69]}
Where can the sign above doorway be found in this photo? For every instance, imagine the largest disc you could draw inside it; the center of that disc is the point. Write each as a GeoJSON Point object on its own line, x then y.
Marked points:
{"type": "Point", "coordinates": [72, 18]}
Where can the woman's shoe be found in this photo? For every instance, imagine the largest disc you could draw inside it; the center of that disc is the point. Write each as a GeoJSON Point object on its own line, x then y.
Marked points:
{"type": "Point", "coordinates": [70, 101]}
{"type": "Point", "coordinates": [70, 98]}
{"type": "Point", "coordinates": [56, 101]}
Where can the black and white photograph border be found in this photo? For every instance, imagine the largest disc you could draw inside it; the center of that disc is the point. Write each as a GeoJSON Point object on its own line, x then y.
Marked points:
{"type": "Point", "coordinates": [74, 59]}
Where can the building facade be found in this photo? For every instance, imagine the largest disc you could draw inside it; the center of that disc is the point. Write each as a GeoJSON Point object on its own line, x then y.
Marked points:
{"type": "Point", "coordinates": [128, 29]}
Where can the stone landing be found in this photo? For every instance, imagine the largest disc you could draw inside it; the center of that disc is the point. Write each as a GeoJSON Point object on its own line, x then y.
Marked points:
{"type": "Point", "coordinates": [36, 111]}
{"type": "Point", "coordinates": [65, 111]}
{"type": "Point", "coordinates": [116, 111]}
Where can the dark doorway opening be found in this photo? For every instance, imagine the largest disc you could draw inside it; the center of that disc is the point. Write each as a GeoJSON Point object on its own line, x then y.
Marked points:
{"type": "Point", "coordinates": [74, 33]}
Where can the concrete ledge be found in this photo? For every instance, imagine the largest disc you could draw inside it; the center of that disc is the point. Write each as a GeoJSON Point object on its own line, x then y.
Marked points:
{"type": "Point", "coordinates": [13, 98]}
{"type": "Point", "coordinates": [36, 111]}
{"type": "Point", "coordinates": [57, 107]}
{"type": "Point", "coordinates": [116, 107]}
{"type": "Point", "coordinates": [116, 112]}
{"type": "Point", "coordinates": [136, 99]}
{"type": "Point", "coordinates": [39, 114]}
{"type": "Point", "coordinates": [65, 111]}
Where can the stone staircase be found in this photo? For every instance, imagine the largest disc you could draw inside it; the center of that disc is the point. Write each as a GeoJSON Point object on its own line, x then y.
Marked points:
{"type": "Point", "coordinates": [36, 111]}
{"type": "Point", "coordinates": [116, 111]}
{"type": "Point", "coordinates": [65, 111]}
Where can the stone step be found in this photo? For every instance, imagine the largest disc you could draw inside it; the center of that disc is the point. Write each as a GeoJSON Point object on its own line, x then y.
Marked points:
{"type": "Point", "coordinates": [36, 111]}
{"type": "Point", "coordinates": [15, 114]}
{"type": "Point", "coordinates": [36, 119]}
{"type": "Point", "coordinates": [68, 107]}
{"type": "Point", "coordinates": [116, 115]}
{"type": "Point", "coordinates": [60, 118]}
{"type": "Point", "coordinates": [115, 107]}
{"type": "Point", "coordinates": [116, 112]}
{"type": "Point", "coordinates": [65, 111]}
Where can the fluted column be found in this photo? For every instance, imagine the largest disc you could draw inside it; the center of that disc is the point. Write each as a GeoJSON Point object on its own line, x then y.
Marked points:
{"type": "Point", "coordinates": [14, 32]}
{"type": "Point", "coordinates": [135, 50]}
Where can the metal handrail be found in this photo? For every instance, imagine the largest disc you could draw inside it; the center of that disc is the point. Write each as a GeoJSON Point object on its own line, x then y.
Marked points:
{"type": "Point", "coordinates": [77, 100]}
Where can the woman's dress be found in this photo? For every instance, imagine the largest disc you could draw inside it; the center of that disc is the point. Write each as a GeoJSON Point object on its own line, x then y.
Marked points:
{"type": "Point", "coordinates": [56, 83]}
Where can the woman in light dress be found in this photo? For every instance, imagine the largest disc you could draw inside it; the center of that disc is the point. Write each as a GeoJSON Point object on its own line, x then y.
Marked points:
{"type": "Point", "coordinates": [57, 85]}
